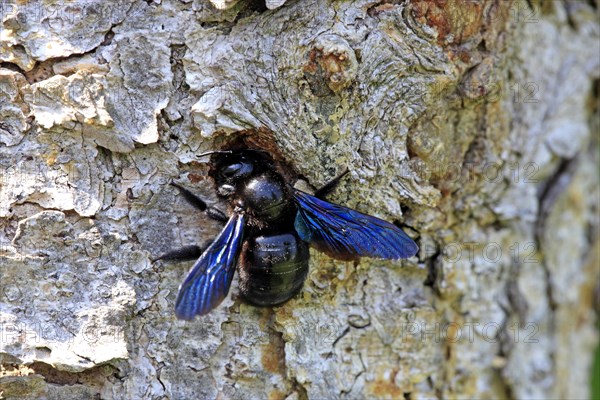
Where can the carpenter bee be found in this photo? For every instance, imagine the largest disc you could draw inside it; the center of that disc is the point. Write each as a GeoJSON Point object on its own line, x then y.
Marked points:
{"type": "Point", "coordinates": [267, 233]}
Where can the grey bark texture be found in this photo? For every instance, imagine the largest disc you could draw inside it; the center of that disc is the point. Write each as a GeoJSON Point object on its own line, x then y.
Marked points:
{"type": "Point", "coordinates": [472, 123]}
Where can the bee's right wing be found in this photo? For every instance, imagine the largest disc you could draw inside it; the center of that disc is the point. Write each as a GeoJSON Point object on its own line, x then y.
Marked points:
{"type": "Point", "coordinates": [345, 234]}
{"type": "Point", "coordinates": [208, 282]}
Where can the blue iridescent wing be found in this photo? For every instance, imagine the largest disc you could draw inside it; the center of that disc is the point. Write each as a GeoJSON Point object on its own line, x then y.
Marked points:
{"type": "Point", "coordinates": [348, 234]}
{"type": "Point", "coordinates": [208, 282]}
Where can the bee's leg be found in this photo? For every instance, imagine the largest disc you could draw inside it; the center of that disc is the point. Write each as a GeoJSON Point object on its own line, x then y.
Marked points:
{"type": "Point", "coordinates": [186, 253]}
{"type": "Point", "coordinates": [330, 186]}
{"type": "Point", "coordinates": [200, 204]}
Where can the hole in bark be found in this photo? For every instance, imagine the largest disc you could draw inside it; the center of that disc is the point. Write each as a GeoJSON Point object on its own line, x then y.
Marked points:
{"type": "Point", "coordinates": [258, 6]}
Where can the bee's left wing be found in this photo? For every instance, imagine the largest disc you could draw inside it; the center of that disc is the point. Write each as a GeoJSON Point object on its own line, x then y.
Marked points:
{"type": "Point", "coordinates": [347, 234]}
{"type": "Point", "coordinates": [208, 282]}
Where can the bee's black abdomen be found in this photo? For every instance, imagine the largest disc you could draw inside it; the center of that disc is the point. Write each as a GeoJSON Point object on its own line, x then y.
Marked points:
{"type": "Point", "coordinates": [273, 268]}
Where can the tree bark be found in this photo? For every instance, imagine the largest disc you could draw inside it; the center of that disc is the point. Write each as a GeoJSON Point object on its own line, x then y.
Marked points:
{"type": "Point", "coordinates": [472, 123]}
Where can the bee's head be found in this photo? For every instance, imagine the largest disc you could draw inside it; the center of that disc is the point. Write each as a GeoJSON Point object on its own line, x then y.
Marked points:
{"type": "Point", "coordinates": [230, 167]}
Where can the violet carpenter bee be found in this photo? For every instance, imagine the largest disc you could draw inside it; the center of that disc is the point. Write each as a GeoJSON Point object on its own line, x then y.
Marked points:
{"type": "Point", "coordinates": [267, 233]}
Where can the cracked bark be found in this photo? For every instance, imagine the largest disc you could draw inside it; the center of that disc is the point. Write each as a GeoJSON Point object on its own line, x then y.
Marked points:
{"type": "Point", "coordinates": [470, 124]}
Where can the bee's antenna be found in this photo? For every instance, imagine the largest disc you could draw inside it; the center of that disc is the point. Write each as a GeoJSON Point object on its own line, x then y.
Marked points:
{"type": "Point", "coordinates": [208, 153]}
